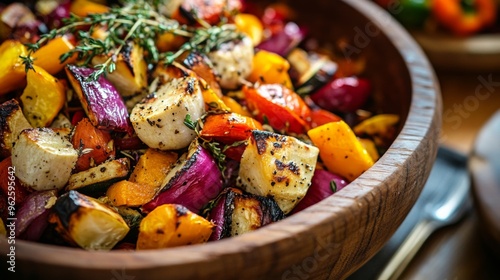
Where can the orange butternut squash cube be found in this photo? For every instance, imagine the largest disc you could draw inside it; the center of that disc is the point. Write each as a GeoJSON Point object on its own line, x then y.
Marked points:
{"type": "Point", "coordinates": [339, 149]}
{"type": "Point", "coordinates": [126, 193]}
{"type": "Point", "coordinates": [83, 8]}
{"type": "Point", "coordinates": [152, 168]}
{"type": "Point", "coordinates": [251, 26]}
{"type": "Point", "coordinates": [171, 225]}
{"type": "Point", "coordinates": [12, 70]}
{"type": "Point", "coordinates": [47, 57]}
{"type": "Point", "coordinates": [43, 97]}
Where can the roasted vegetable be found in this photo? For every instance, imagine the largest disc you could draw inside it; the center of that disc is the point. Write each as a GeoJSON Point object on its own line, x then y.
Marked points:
{"type": "Point", "coordinates": [236, 213]}
{"type": "Point", "coordinates": [185, 186]}
{"type": "Point", "coordinates": [172, 225]}
{"type": "Point", "coordinates": [33, 214]}
{"type": "Point", "coordinates": [94, 145]}
{"type": "Point", "coordinates": [96, 180]}
{"type": "Point", "coordinates": [100, 100]}
{"type": "Point", "coordinates": [152, 168]}
{"type": "Point", "coordinates": [12, 122]}
{"type": "Point", "coordinates": [159, 119]}
{"type": "Point", "coordinates": [12, 70]}
{"type": "Point", "coordinates": [340, 150]}
{"type": "Point", "coordinates": [284, 41]}
{"type": "Point", "coordinates": [85, 7]}
{"type": "Point", "coordinates": [130, 76]}
{"type": "Point", "coordinates": [343, 94]}
{"type": "Point", "coordinates": [277, 106]}
{"type": "Point", "coordinates": [228, 127]}
{"type": "Point", "coordinates": [210, 11]}
{"type": "Point", "coordinates": [323, 184]}
{"type": "Point", "coordinates": [42, 98]}
{"type": "Point", "coordinates": [87, 222]}
{"type": "Point", "coordinates": [310, 71]}
{"type": "Point", "coordinates": [270, 68]}
{"type": "Point", "coordinates": [43, 159]}
{"type": "Point", "coordinates": [9, 183]}
{"type": "Point", "coordinates": [381, 128]}
{"type": "Point", "coordinates": [232, 60]}
{"type": "Point", "coordinates": [48, 56]}
{"type": "Point", "coordinates": [277, 166]}
{"type": "Point", "coordinates": [126, 193]}
{"type": "Point", "coordinates": [251, 26]}
{"type": "Point", "coordinates": [201, 65]}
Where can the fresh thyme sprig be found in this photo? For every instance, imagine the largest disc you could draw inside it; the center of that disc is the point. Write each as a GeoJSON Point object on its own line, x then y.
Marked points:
{"type": "Point", "coordinates": [136, 21]}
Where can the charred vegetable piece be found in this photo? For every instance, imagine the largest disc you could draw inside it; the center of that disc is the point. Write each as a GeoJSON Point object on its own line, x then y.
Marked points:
{"type": "Point", "coordinates": [126, 193]}
{"type": "Point", "coordinates": [96, 180]}
{"type": "Point", "coordinates": [236, 213]}
{"type": "Point", "coordinates": [233, 60]}
{"type": "Point", "coordinates": [210, 11]}
{"type": "Point", "coordinates": [100, 100]}
{"type": "Point", "coordinates": [48, 56]}
{"type": "Point", "coordinates": [193, 181]}
{"type": "Point", "coordinates": [85, 7]}
{"type": "Point", "coordinates": [94, 145]}
{"type": "Point", "coordinates": [12, 70]}
{"type": "Point", "coordinates": [201, 65]}
{"type": "Point", "coordinates": [381, 128]}
{"type": "Point", "coordinates": [42, 98]}
{"type": "Point", "coordinates": [12, 122]}
{"type": "Point", "coordinates": [320, 117]}
{"type": "Point", "coordinates": [130, 76]}
{"type": "Point", "coordinates": [340, 150]}
{"type": "Point", "coordinates": [33, 214]}
{"type": "Point", "coordinates": [278, 106]}
{"type": "Point", "coordinates": [310, 71]}
{"type": "Point", "coordinates": [343, 94]}
{"type": "Point", "coordinates": [277, 166]}
{"type": "Point", "coordinates": [159, 119]}
{"type": "Point", "coordinates": [228, 127]}
{"type": "Point", "coordinates": [270, 68]}
{"type": "Point", "coordinates": [172, 225]}
{"type": "Point", "coordinates": [43, 159]}
{"type": "Point", "coordinates": [87, 222]}
{"type": "Point", "coordinates": [324, 184]}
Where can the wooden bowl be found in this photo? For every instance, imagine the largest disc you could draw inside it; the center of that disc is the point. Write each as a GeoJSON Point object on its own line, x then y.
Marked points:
{"type": "Point", "coordinates": [329, 240]}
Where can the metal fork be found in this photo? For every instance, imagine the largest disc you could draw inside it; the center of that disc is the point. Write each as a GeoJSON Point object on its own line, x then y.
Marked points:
{"type": "Point", "coordinates": [441, 209]}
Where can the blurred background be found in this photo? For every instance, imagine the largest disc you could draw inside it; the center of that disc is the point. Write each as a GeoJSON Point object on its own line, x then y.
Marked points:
{"type": "Point", "coordinates": [462, 40]}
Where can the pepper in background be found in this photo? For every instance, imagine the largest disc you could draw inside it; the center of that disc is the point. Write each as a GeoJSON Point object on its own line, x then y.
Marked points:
{"type": "Point", "coordinates": [465, 17]}
{"type": "Point", "coordinates": [411, 13]}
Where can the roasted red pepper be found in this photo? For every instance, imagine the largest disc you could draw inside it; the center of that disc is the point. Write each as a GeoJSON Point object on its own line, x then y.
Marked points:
{"type": "Point", "coordinates": [465, 17]}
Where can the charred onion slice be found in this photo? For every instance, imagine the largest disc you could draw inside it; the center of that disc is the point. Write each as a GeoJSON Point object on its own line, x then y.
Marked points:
{"type": "Point", "coordinates": [101, 101]}
{"type": "Point", "coordinates": [193, 181]}
{"type": "Point", "coordinates": [12, 122]}
{"type": "Point", "coordinates": [277, 166]}
{"type": "Point", "coordinates": [87, 222]}
{"type": "Point", "coordinates": [236, 213]}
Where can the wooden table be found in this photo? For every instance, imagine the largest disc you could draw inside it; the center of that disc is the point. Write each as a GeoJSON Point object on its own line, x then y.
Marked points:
{"type": "Point", "coordinates": [458, 252]}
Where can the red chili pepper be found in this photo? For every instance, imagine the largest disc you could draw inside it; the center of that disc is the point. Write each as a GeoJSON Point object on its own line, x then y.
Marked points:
{"type": "Point", "coordinates": [454, 15]}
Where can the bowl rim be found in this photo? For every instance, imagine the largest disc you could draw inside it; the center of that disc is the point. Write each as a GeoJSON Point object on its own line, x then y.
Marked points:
{"type": "Point", "coordinates": [421, 125]}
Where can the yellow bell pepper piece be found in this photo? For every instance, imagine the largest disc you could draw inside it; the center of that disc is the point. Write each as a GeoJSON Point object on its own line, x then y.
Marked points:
{"type": "Point", "coordinates": [83, 8]}
{"type": "Point", "coordinates": [47, 57]}
{"type": "Point", "coordinates": [270, 68]}
{"type": "Point", "coordinates": [370, 147]}
{"type": "Point", "coordinates": [340, 150]}
{"type": "Point", "coordinates": [235, 107]}
{"type": "Point", "coordinates": [43, 97]}
{"type": "Point", "coordinates": [251, 26]}
{"type": "Point", "coordinates": [12, 70]}
{"type": "Point", "coordinates": [381, 128]}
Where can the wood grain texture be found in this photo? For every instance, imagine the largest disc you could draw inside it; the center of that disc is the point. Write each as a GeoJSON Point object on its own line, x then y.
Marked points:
{"type": "Point", "coordinates": [329, 240]}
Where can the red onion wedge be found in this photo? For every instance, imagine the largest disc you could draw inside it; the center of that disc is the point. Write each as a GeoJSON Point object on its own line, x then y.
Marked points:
{"type": "Point", "coordinates": [284, 41]}
{"type": "Point", "coordinates": [323, 184]}
{"type": "Point", "coordinates": [344, 95]}
{"type": "Point", "coordinates": [193, 182]}
{"type": "Point", "coordinates": [236, 212]}
{"type": "Point", "coordinates": [33, 214]}
{"type": "Point", "coordinates": [100, 100]}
